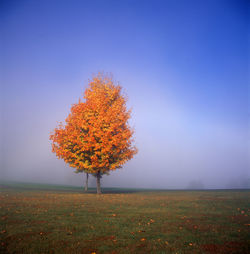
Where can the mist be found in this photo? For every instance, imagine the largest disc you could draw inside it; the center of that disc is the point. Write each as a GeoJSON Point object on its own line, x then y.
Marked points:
{"type": "Point", "coordinates": [184, 71]}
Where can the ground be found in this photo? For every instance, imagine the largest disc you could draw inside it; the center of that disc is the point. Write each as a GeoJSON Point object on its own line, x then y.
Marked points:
{"type": "Point", "coordinates": [57, 219]}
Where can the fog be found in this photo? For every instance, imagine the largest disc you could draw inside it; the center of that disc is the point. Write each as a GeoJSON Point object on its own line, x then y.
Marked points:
{"type": "Point", "coordinates": [186, 81]}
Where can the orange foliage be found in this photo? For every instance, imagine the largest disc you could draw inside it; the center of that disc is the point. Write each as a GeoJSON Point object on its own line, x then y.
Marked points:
{"type": "Point", "coordinates": [96, 137]}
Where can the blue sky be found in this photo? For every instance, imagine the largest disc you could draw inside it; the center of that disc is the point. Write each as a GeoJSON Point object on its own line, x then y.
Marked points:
{"type": "Point", "coordinates": [183, 64]}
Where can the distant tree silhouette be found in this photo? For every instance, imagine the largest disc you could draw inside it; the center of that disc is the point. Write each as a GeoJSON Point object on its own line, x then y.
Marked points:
{"type": "Point", "coordinates": [195, 185]}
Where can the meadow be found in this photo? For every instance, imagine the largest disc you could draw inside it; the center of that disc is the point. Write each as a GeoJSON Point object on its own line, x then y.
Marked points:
{"type": "Point", "coordinates": [61, 219]}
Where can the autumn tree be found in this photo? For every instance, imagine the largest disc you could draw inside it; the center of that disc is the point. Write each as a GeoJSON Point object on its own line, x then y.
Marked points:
{"type": "Point", "coordinates": [96, 137]}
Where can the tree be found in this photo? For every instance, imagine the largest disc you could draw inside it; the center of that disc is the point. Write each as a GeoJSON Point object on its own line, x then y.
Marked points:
{"type": "Point", "coordinates": [96, 137]}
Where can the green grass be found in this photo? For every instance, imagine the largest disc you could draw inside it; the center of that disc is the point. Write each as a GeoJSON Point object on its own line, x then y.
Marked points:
{"type": "Point", "coordinates": [62, 219]}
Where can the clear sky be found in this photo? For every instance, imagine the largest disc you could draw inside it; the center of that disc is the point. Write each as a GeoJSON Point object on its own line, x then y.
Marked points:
{"type": "Point", "coordinates": [183, 64]}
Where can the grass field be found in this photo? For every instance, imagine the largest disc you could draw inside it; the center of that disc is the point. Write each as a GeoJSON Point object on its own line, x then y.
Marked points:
{"type": "Point", "coordinates": [57, 219]}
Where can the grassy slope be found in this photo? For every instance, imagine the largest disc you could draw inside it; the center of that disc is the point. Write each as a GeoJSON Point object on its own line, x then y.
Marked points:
{"type": "Point", "coordinates": [63, 219]}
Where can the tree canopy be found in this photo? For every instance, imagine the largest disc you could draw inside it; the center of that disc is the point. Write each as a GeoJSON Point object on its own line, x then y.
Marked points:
{"type": "Point", "coordinates": [96, 137]}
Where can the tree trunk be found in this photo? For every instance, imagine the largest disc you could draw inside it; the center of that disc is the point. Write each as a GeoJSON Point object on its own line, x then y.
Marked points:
{"type": "Point", "coordinates": [86, 182]}
{"type": "Point", "coordinates": [98, 182]}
